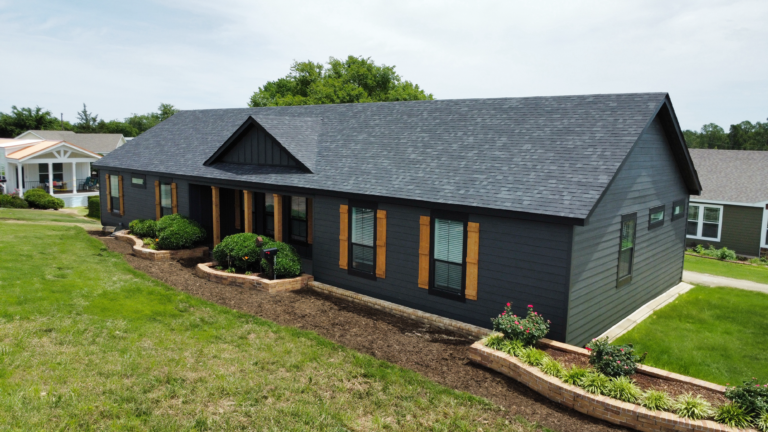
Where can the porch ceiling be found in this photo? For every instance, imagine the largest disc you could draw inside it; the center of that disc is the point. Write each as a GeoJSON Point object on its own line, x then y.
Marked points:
{"type": "Point", "coordinates": [38, 149]}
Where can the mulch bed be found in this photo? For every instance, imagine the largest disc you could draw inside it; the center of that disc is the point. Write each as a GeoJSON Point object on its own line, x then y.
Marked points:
{"type": "Point", "coordinates": [440, 355]}
{"type": "Point", "coordinates": [645, 382]}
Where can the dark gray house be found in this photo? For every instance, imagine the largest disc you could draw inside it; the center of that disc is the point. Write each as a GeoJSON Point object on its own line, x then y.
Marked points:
{"type": "Point", "coordinates": [574, 204]}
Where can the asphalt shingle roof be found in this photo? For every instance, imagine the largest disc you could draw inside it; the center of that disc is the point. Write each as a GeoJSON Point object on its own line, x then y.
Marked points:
{"type": "Point", "coordinates": [732, 175]}
{"type": "Point", "coordinates": [96, 142]}
{"type": "Point", "coordinates": [542, 155]}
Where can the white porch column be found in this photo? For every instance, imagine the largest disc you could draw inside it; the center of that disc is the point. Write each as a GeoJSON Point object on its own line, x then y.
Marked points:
{"type": "Point", "coordinates": [50, 178]}
{"type": "Point", "coordinates": [74, 177]}
{"type": "Point", "coordinates": [19, 180]}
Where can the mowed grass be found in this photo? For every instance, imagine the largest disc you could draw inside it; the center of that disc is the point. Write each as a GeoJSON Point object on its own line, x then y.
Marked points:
{"type": "Point", "coordinates": [88, 343]}
{"type": "Point", "coordinates": [723, 268]}
{"type": "Point", "coordinates": [30, 215]}
{"type": "Point", "coordinates": [715, 334]}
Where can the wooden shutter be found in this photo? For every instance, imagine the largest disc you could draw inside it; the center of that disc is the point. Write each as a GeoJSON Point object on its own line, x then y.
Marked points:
{"type": "Point", "coordinates": [381, 243]}
{"type": "Point", "coordinates": [237, 209]}
{"type": "Point", "coordinates": [158, 209]}
{"type": "Point", "coordinates": [473, 251]}
{"type": "Point", "coordinates": [248, 210]}
{"type": "Point", "coordinates": [216, 221]}
{"type": "Point", "coordinates": [120, 191]}
{"type": "Point", "coordinates": [174, 201]}
{"type": "Point", "coordinates": [310, 221]}
{"type": "Point", "coordinates": [343, 236]}
{"type": "Point", "coordinates": [424, 253]}
{"type": "Point", "coordinates": [109, 195]}
{"type": "Point", "coordinates": [278, 206]}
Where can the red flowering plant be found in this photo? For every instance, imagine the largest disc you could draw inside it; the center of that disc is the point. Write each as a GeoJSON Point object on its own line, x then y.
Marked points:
{"type": "Point", "coordinates": [613, 360]}
{"type": "Point", "coordinates": [527, 330]}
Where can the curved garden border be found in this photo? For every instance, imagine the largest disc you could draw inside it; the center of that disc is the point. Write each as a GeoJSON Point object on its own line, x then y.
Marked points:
{"type": "Point", "coordinates": [206, 271]}
{"type": "Point", "coordinates": [160, 255]}
{"type": "Point", "coordinates": [602, 407]}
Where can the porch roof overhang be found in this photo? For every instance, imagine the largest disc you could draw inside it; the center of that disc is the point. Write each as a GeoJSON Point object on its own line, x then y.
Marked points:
{"type": "Point", "coordinates": [27, 153]}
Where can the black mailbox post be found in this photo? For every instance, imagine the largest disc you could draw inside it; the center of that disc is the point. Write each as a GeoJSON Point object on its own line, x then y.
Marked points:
{"type": "Point", "coordinates": [269, 255]}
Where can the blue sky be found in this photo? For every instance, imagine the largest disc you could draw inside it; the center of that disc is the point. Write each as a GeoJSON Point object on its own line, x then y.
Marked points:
{"type": "Point", "coordinates": [128, 57]}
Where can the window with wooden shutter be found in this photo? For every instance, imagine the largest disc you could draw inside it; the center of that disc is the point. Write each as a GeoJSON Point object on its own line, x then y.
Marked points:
{"type": "Point", "coordinates": [120, 191]}
{"type": "Point", "coordinates": [174, 199]}
{"type": "Point", "coordinates": [447, 253]}
{"type": "Point", "coordinates": [166, 197]}
{"type": "Point", "coordinates": [473, 252]}
{"type": "Point", "coordinates": [343, 235]}
{"type": "Point", "coordinates": [424, 222]}
{"type": "Point", "coordinates": [109, 193]}
{"type": "Point", "coordinates": [158, 208]}
{"type": "Point", "coordinates": [381, 243]}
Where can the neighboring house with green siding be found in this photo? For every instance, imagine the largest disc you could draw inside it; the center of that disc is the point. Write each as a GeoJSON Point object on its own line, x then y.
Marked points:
{"type": "Point", "coordinates": [732, 210]}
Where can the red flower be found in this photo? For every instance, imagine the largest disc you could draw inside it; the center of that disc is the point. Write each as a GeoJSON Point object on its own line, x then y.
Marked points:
{"type": "Point", "coordinates": [588, 348]}
{"type": "Point", "coordinates": [528, 331]}
{"type": "Point", "coordinates": [509, 304]}
{"type": "Point", "coordinates": [517, 323]}
{"type": "Point", "coordinates": [530, 306]}
{"type": "Point", "coordinates": [504, 313]}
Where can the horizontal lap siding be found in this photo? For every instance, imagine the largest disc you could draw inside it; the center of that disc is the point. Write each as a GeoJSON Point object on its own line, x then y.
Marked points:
{"type": "Point", "coordinates": [741, 230]}
{"type": "Point", "coordinates": [650, 177]}
{"type": "Point", "coordinates": [139, 203]}
{"type": "Point", "coordinates": [519, 261]}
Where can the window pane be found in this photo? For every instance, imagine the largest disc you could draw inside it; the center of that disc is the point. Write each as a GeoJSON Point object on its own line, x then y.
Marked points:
{"type": "Point", "coordinates": [298, 229]}
{"type": "Point", "coordinates": [362, 258]}
{"type": "Point", "coordinates": [449, 240]}
{"type": "Point", "coordinates": [269, 201]}
{"type": "Point", "coordinates": [709, 230]}
{"type": "Point", "coordinates": [693, 213]}
{"type": "Point", "coordinates": [137, 181]}
{"type": "Point", "coordinates": [712, 214]}
{"type": "Point", "coordinates": [165, 195]}
{"type": "Point", "coordinates": [677, 210]}
{"type": "Point", "coordinates": [448, 276]}
{"type": "Point", "coordinates": [625, 262]}
{"type": "Point", "coordinates": [299, 208]}
{"type": "Point", "coordinates": [270, 222]}
{"type": "Point", "coordinates": [114, 186]}
{"type": "Point", "coordinates": [657, 217]}
{"type": "Point", "coordinates": [692, 229]}
{"type": "Point", "coordinates": [627, 234]}
{"type": "Point", "coordinates": [363, 221]}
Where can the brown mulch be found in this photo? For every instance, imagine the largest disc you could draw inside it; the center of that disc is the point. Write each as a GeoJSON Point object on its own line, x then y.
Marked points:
{"type": "Point", "coordinates": [645, 382]}
{"type": "Point", "coordinates": [437, 354]}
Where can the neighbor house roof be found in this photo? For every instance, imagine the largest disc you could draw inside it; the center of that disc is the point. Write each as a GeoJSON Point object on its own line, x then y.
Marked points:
{"type": "Point", "coordinates": [542, 155]}
{"type": "Point", "coordinates": [96, 142]}
{"type": "Point", "coordinates": [734, 176]}
{"type": "Point", "coordinates": [42, 146]}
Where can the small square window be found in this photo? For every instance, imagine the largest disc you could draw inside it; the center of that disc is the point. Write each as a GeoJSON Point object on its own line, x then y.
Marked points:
{"type": "Point", "coordinates": [139, 181]}
{"type": "Point", "coordinates": [678, 209]}
{"type": "Point", "coordinates": [656, 217]}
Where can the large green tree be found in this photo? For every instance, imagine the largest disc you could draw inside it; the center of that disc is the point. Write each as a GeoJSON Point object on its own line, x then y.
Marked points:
{"type": "Point", "coordinates": [20, 120]}
{"type": "Point", "coordinates": [742, 136]}
{"type": "Point", "coordinates": [87, 121]}
{"type": "Point", "coordinates": [143, 122]}
{"type": "Point", "coordinates": [355, 79]}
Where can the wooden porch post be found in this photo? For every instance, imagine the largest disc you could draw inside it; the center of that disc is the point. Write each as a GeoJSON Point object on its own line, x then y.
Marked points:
{"type": "Point", "coordinates": [50, 178]}
{"type": "Point", "coordinates": [278, 217]}
{"type": "Point", "coordinates": [216, 221]}
{"type": "Point", "coordinates": [248, 210]}
{"type": "Point", "coordinates": [74, 177]}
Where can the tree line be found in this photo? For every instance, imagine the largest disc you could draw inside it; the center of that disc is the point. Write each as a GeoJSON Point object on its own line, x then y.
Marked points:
{"type": "Point", "coordinates": [743, 136]}
{"type": "Point", "coordinates": [20, 120]}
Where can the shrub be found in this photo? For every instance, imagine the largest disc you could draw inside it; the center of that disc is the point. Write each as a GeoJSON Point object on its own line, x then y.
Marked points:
{"type": "Point", "coordinates": [240, 251]}
{"type": "Point", "coordinates": [574, 375]}
{"type": "Point", "coordinates": [532, 356]}
{"type": "Point", "coordinates": [493, 340]}
{"type": "Point", "coordinates": [723, 254]}
{"type": "Point", "coordinates": [177, 232]}
{"type": "Point", "coordinates": [94, 207]}
{"type": "Point", "coordinates": [512, 347]}
{"type": "Point", "coordinates": [595, 383]}
{"type": "Point", "coordinates": [287, 262]}
{"type": "Point", "coordinates": [613, 360]}
{"type": "Point", "coordinates": [529, 330]}
{"type": "Point", "coordinates": [726, 254]}
{"type": "Point", "coordinates": [733, 415]}
{"type": "Point", "coordinates": [12, 201]}
{"type": "Point", "coordinates": [690, 407]}
{"type": "Point", "coordinates": [40, 199]}
{"type": "Point", "coordinates": [552, 367]}
{"type": "Point", "coordinates": [624, 389]}
{"type": "Point", "coordinates": [750, 395]}
{"type": "Point", "coordinates": [761, 422]}
{"type": "Point", "coordinates": [656, 400]}
{"type": "Point", "coordinates": [143, 228]}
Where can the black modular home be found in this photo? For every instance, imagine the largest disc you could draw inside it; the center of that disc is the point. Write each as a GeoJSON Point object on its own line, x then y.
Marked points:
{"type": "Point", "coordinates": [574, 204]}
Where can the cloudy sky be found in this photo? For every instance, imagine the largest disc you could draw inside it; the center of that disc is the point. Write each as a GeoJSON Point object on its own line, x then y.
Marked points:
{"type": "Point", "coordinates": [128, 57]}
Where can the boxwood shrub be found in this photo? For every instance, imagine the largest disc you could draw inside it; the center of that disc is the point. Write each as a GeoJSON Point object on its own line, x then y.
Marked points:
{"type": "Point", "coordinates": [239, 251]}
{"type": "Point", "coordinates": [12, 201]}
{"type": "Point", "coordinates": [287, 262]}
{"type": "Point", "coordinates": [143, 228]}
{"type": "Point", "coordinates": [178, 232]}
{"type": "Point", "coordinates": [94, 207]}
{"type": "Point", "coordinates": [40, 199]}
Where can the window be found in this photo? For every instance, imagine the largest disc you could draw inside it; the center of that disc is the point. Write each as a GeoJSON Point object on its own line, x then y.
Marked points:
{"type": "Point", "coordinates": [166, 199]}
{"type": "Point", "coordinates": [678, 209]}
{"type": "Point", "coordinates": [656, 217]}
{"type": "Point", "coordinates": [299, 219]}
{"type": "Point", "coordinates": [448, 255]}
{"type": "Point", "coordinates": [269, 215]}
{"type": "Point", "coordinates": [363, 232]}
{"type": "Point", "coordinates": [114, 193]}
{"type": "Point", "coordinates": [704, 221]}
{"type": "Point", "coordinates": [626, 249]}
{"type": "Point", "coordinates": [58, 172]}
{"type": "Point", "coordinates": [139, 181]}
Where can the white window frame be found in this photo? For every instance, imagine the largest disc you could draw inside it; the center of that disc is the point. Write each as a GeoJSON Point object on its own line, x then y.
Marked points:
{"type": "Point", "coordinates": [700, 222]}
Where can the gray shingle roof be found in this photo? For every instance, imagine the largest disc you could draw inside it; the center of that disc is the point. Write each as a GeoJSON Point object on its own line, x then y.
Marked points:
{"type": "Point", "coordinates": [541, 155]}
{"type": "Point", "coordinates": [732, 175]}
{"type": "Point", "coordinates": [96, 142]}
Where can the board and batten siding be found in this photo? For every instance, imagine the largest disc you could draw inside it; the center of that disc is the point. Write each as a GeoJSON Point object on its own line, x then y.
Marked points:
{"type": "Point", "coordinates": [649, 177]}
{"type": "Point", "coordinates": [139, 203]}
{"type": "Point", "coordinates": [740, 232]}
{"type": "Point", "coordinates": [523, 262]}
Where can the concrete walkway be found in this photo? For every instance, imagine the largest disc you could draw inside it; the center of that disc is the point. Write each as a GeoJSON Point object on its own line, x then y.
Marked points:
{"type": "Point", "coordinates": [722, 281]}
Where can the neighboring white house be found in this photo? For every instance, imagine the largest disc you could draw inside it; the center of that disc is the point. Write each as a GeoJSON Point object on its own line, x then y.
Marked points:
{"type": "Point", "coordinates": [94, 142]}
{"type": "Point", "coordinates": [61, 168]}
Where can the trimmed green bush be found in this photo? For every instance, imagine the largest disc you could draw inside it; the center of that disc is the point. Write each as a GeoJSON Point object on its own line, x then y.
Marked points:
{"type": "Point", "coordinates": [529, 329]}
{"type": "Point", "coordinates": [143, 228]}
{"type": "Point", "coordinates": [287, 262]}
{"type": "Point", "coordinates": [750, 395]}
{"type": "Point", "coordinates": [613, 360]}
{"type": "Point", "coordinates": [733, 415]}
{"type": "Point", "coordinates": [240, 251]}
{"type": "Point", "coordinates": [40, 199]}
{"type": "Point", "coordinates": [656, 400]}
{"type": "Point", "coordinates": [12, 201]}
{"type": "Point", "coordinates": [94, 207]}
{"type": "Point", "coordinates": [178, 232]}
{"type": "Point", "coordinates": [624, 389]}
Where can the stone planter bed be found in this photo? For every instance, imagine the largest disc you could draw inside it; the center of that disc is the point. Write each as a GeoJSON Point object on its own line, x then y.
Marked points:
{"type": "Point", "coordinates": [137, 245]}
{"type": "Point", "coordinates": [255, 281]}
{"type": "Point", "coordinates": [603, 407]}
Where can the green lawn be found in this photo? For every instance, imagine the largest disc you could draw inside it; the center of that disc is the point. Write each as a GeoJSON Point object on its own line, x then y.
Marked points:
{"type": "Point", "coordinates": [87, 343]}
{"type": "Point", "coordinates": [43, 216]}
{"type": "Point", "coordinates": [716, 334]}
{"type": "Point", "coordinates": [723, 268]}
